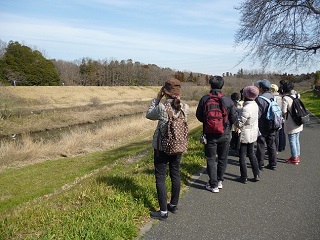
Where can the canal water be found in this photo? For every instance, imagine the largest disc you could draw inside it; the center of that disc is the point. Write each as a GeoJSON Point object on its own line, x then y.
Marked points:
{"type": "Point", "coordinates": [55, 134]}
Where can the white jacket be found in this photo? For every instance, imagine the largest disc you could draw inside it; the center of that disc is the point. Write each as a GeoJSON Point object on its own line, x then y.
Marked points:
{"type": "Point", "coordinates": [290, 127]}
{"type": "Point", "coordinates": [248, 122]}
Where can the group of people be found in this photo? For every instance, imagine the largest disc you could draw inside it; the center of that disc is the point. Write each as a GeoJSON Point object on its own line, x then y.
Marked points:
{"type": "Point", "coordinates": [246, 120]}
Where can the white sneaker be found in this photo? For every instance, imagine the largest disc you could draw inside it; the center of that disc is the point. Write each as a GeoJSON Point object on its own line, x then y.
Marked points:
{"type": "Point", "coordinates": [211, 189]}
{"type": "Point", "coordinates": [220, 185]}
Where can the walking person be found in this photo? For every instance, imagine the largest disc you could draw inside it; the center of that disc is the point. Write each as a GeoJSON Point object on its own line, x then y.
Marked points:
{"type": "Point", "coordinates": [266, 136]}
{"type": "Point", "coordinates": [290, 127]}
{"type": "Point", "coordinates": [158, 111]}
{"type": "Point", "coordinates": [217, 144]}
{"type": "Point", "coordinates": [248, 124]}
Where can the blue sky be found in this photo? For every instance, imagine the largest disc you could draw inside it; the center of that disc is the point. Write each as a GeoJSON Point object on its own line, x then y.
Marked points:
{"type": "Point", "coordinates": [189, 35]}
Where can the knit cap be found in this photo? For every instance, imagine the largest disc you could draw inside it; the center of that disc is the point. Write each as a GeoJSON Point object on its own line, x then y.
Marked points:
{"type": "Point", "coordinates": [250, 92]}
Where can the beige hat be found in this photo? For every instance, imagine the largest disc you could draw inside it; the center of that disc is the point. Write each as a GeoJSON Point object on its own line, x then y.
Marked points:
{"type": "Point", "coordinates": [274, 88]}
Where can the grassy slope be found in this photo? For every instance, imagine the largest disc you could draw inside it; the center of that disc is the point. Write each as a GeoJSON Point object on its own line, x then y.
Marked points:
{"type": "Point", "coordinates": [112, 202]}
{"type": "Point", "coordinates": [312, 102]}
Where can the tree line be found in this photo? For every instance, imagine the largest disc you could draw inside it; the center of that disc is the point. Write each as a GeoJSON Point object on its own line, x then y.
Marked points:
{"type": "Point", "coordinates": [20, 65]}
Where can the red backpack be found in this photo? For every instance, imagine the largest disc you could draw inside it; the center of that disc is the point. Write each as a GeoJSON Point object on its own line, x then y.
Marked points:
{"type": "Point", "coordinates": [216, 114]}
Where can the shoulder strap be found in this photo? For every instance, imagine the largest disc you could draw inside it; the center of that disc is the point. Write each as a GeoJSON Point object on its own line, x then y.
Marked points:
{"type": "Point", "coordinates": [266, 99]}
{"type": "Point", "coordinates": [292, 104]}
{"type": "Point", "coordinates": [290, 97]}
{"type": "Point", "coordinates": [169, 110]}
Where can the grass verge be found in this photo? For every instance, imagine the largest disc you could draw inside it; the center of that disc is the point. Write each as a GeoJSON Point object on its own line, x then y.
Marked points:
{"type": "Point", "coordinates": [105, 195]}
{"type": "Point", "coordinates": [312, 102]}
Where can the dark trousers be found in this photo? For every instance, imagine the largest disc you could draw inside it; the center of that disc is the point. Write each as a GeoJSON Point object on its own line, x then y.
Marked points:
{"type": "Point", "coordinates": [216, 166]}
{"type": "Point", "coordinates": [247, 149]}
{"type": "Point", "coordinates": [268, 140]}
{"type": "Point", "coordinates": [276, 139]}
{"type": "Point", "coordinates": [235, 141]}
{"type": "Point", "coordinates": [282, 140]}
{"type": "Point", "coordinates": [161, 160]}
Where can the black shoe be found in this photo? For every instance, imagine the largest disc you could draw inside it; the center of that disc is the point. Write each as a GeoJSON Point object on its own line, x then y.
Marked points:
{"type": "Point", "coordinates": [242, 180]}
{"type": "Point", "coordinates": [261, 168]}
{"type": "Point", "coordinates": [159, 216]}
{"type": "Point", "coordinates": [271, 167]}
{"type": "Point", "coordinates": [172, 209]}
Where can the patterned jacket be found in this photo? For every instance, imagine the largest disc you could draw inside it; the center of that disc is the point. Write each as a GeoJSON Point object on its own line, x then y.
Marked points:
{"type": "Point", "coordinates": [157, 111]}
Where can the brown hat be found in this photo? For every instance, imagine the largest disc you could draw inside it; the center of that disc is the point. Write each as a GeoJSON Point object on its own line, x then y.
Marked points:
{"type": "Point", "coordinates": [172, 87]}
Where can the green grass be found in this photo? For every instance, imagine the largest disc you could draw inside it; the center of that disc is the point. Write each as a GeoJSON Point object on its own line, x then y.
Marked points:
{"type": "Point", "coordinates": [312, 102]}
{"type": "Point", "coordinates": [111, 203]}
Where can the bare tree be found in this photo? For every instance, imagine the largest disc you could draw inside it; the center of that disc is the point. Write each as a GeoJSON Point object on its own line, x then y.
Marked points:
{"type": "Point", "coordinates": [285, 33]}
{"type": "Point", "coordinates": [3, 46]}
{"type": "Point", "coordinates": [68, 72]}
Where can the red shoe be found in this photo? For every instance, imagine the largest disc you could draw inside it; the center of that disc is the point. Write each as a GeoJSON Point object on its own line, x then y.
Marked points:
{"type": "Point", "coordinates": [298, 159]}
{"type": "Point", "coordinates": [295, 160]}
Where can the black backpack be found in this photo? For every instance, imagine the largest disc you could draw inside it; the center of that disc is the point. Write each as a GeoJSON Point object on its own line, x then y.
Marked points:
{"type": "Point", "coordinates": [298, 111]}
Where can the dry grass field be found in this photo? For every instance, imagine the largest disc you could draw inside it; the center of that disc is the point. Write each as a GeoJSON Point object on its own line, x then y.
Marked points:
{"type": "Point", "coordinates": [49, 97]}
{"type": "Point", "coordinates": [33, 109]}
{"type": "Point", "coordinates": [43, 108]}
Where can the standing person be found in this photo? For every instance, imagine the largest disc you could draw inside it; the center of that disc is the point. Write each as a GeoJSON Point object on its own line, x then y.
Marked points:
{"type": "Point", "coordinates": [266, 137]}
{"type": "Point", "coordinates": [235, 131]}
{"type": "Point", "coordinates": [217, 147]}
{"type": "Point", "coordinates": [281, 82]}
{"type": "Point", "coordinates": [248, 123]}
{"type": "Point", "coordinates": [280, 137]}
{"type": "Point", "coordinates": [157, 111]}
{"type": "Point", "coordinates": [290, 127]}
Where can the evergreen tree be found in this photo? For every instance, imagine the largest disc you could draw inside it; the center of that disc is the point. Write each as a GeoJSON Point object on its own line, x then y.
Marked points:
{"type": "Point", "coordinates": [27, 67]}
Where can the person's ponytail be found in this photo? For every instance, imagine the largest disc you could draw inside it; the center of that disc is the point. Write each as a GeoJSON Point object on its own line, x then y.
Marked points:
{"type": "Point", "coordinates": [176, 103]}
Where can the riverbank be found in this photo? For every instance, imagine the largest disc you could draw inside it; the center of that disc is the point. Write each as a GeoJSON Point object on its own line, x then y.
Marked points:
{"type": "Point", "coordinates": [34, 109]}
{"type": "Point", "coordinates": [72, 121]}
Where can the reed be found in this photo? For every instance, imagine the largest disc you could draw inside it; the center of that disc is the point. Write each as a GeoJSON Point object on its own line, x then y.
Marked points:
{"type": "Point", "coordinates": [114, 133]}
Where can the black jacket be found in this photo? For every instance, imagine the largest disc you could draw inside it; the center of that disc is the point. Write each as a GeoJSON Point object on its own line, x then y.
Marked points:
{"type": "Point", "coordinates": [263, 108]}
{"type": "Point", "coordinates": [227, 103]}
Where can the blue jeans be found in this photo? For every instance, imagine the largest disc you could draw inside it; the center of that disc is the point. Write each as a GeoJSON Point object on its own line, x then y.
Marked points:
{"type": "Point", "coordinates": [294, 144]}
{"type": "Point", "coordinates": [161, 160]}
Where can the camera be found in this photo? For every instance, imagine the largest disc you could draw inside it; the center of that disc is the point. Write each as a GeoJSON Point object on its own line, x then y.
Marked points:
{"type": "Point", "coordinates": [203, 139]}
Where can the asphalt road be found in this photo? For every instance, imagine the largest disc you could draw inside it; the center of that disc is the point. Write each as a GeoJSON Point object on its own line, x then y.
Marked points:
{"type": "Point", "coordinates": [284, 204]}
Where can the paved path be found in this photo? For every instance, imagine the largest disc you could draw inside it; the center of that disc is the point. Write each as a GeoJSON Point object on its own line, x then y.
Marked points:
{"type": "Point", "coordinates": [284, 204]}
